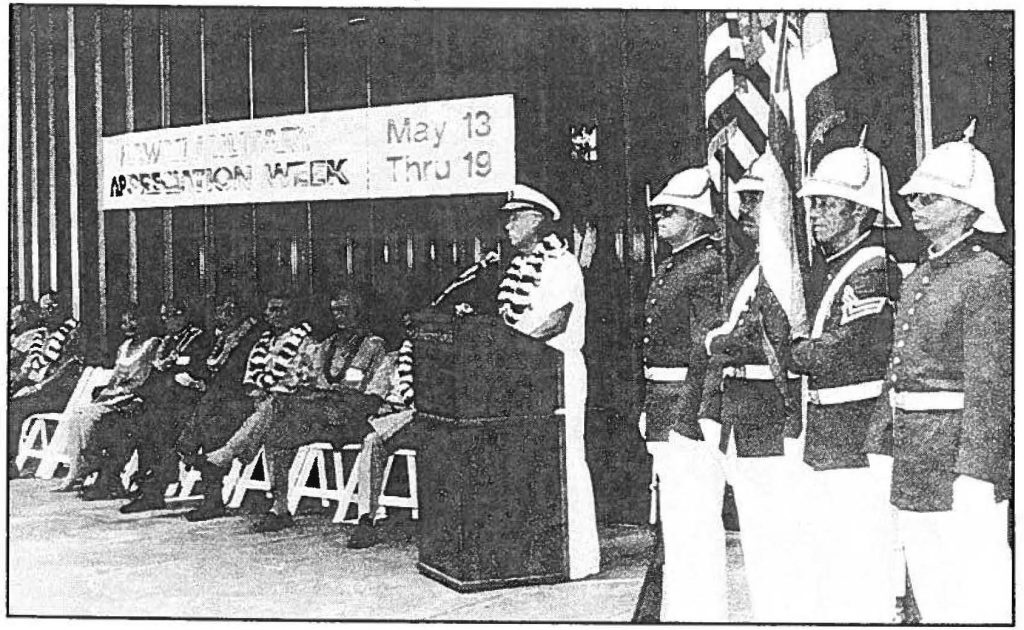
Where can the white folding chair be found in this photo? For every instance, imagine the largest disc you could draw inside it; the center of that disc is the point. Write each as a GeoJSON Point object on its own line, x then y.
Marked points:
{"type": "Point", "coordinates": [245, 481]}
{"type": "Point", "coordinates": [36, 440]}
{"type": "Point", "coordinates": [308, 456]}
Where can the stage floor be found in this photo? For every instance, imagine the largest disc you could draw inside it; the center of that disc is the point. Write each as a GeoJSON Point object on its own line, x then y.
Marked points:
{"type": "Point", "coordinates": [72, 558]}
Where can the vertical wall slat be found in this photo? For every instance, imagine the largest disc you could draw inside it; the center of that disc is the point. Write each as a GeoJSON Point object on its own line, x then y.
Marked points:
{"type": "Point", "coordinates": [19, 156]}
{"type": "Point", "coordinates": [34, 152]}
{"type": "Point", "coordinates": [73, 209]}
{"type": "Point", "coordinates": [51, 151]}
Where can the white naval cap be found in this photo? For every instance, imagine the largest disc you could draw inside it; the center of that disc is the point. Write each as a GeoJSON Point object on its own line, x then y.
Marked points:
{"type": "Point", "coordinates": [522, 197]}
{"type": "Point", "coordinates": [960, 171]}
{"type": "Point", "coordinates": [856, 174]}
{"type": "Point", "coordinates": [690, 189]}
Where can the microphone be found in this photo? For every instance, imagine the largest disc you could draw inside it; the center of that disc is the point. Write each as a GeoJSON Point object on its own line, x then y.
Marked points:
{"type": "Point", "coordinates": [468, 275]}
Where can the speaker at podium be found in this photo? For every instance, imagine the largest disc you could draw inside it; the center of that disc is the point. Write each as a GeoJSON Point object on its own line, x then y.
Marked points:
{"type": "Point", "coordinates": [492, 471]}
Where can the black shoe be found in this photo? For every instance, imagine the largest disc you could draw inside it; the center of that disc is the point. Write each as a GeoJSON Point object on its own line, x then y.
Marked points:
{"type": "Point", "coordinates": [273, 522]}
{"type": "Point", "coordinates": [98, 492]}
{"type": "Point", "coordinates": [144, 503]}
{"type": "Point", "coordinates": [364, 535]}
{"type": "Point", "coordinates": [206, 511]}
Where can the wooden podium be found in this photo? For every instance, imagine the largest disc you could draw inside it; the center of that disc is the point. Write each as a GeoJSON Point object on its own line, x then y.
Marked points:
{"type": "Point", "coordinates": [492, 465]}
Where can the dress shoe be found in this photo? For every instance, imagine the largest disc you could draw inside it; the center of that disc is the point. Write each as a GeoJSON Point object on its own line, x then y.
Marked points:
{"type": "Point", "coordinates": [206, 511]}
{"type": "Point", "coordinates": [273, 522]}
{"type": "Point", "coordinates": [364, 535]}
{"type": "Point", "coordinates": [144, 503]}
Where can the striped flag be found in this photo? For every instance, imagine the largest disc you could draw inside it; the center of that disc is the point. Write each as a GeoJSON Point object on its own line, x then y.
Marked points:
{"type": "Point", "coordinates": [767, 91]}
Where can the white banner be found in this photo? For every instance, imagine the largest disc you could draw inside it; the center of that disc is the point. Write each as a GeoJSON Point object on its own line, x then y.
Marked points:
{"type": "Point", "coordinates": [457, 147]}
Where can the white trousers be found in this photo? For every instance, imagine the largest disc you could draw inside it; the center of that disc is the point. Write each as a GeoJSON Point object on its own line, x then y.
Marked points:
{"type": "Point", "coordinates": [851, 541]}
{"type": "Point", "coordinates": [959, 563]}
{"type": "Point", "coordinates": [691, 481]}
{"type": "Point", "coordinates": [768, 492]}
{"type": "Point", "coordinates": [584, 547]}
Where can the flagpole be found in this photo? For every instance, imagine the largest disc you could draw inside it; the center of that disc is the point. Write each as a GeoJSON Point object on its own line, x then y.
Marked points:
{"type": "Point", "coordinates": [922, 88]}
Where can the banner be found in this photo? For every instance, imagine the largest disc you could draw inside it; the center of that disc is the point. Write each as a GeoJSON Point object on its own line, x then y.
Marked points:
{"type": "Point", "coordinates": [455, 147]}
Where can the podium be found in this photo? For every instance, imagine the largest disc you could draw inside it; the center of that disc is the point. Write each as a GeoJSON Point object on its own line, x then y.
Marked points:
{"type": "Point", "coordinates": [492, 466]}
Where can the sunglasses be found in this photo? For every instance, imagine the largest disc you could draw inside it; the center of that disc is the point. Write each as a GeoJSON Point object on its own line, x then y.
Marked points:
{"type": "Point", "coordinates": [922, 199]}
{"type": "Point", "coordinates": [665, 212]}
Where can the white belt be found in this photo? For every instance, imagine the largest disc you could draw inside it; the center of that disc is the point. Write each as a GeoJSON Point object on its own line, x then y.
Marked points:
{"type": "Point", "coordinates": [753, 373]}
{"type": "Point", "coordinates": [666, 374]}
{"type": "Point", "coordinates": [927, 401]}
{"type": "Point", "coordinates": [846, 393]}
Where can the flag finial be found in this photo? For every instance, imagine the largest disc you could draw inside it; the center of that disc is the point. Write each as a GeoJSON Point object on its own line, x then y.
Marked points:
{"type": "Point", "coordinates": [969, 132]}
{"type": "Point", "coordinates": [863, 135]}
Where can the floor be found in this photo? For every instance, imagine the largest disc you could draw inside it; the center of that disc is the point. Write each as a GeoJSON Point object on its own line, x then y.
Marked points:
{"type": "Point", "coordinates": [72, 558]}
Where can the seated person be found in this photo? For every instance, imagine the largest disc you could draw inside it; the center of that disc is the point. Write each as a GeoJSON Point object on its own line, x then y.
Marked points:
{"type": "Point", "coordinates": [205, 393]}
{"type": "Point", "coordinates": [26, 329]}
{"type": "Point", "coordinates": [272, 367]}
{"type": "Point", "coordinates": [47, 375]}
{"type": "Point", "coordinates": [389, 427]}
{"type": "Point", "coordinates": [158, 410]}
{"type": "Point", "coordinates": [341, 383]}
{"type": "Point", "coordinates": [131, 369]}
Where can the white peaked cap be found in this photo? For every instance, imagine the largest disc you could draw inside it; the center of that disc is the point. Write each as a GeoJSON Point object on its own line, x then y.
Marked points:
{"type": "Point", "coordinates": [856, 174]}
{"type": "Point", "coordinates": [522, 197]}
{"type": "Point", "coordinates": [960, 171]}
{"type": "Point", "coordinates": [690, 189]}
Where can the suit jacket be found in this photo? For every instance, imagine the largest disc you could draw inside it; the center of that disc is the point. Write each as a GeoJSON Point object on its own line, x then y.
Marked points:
{"type": "Point", "coordinates": [684, 299]}
{"type": "Point", "coordinates": [756, 412]}
{"type": "Point", "coordinates": [176, 354]}
{"type": "Point", "coordinates": [952, 348]}
{"type": "Point", "coordinates": [847, 354]}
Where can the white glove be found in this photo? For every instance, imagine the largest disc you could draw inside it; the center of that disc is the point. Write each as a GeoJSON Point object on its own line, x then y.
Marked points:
{"type": "Point", "coordinates": [971, 493]}
{"type": "Point", "coordinates": [881, 462]}
{"type": "Point", "coordinates": [642, 424]}
{"type": "Point", "coordinates": [354, 375]}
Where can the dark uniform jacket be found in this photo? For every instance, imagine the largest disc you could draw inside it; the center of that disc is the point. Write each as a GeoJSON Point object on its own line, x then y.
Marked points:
{"type": "Point", "coordinates": [952, 343]}
{"type": "Point", "coordinates": [847, 353]}
{"type": "Point", "coordinates": [177, 353]}
{"type": "Point", "coordinates": [741, 389]}
{"type": "Point", "coordinates": [684, 299]}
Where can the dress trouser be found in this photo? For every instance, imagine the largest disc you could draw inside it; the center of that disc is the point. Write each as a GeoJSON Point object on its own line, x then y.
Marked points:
{"type": "Point", "coordinates": [376, 446]}
{"type": "Point", "coordinates": [584, 548]}
{"type": "Point", "coordinates": [246, 441]}
{"type": "Point", "coordinates": [851, 531]}
{"type": "Point", "coordinates": [770, 493]}
{"type": "Point", "coordinates": [959, 563]}
{"type": "Point", "coordinates": [691, 482]}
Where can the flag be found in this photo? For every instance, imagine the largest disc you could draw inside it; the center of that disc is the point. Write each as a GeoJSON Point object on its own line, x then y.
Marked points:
{"type": "Point", "coordinates": [767, 92]}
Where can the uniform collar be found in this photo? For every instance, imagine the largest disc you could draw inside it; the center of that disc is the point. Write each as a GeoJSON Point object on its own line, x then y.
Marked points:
{"type": "Point", "coordinates": [690, 243]}
{"type": "Point", "coordinates": [932, 255]}
{"type": "Point", "coordinates": [849, 248]}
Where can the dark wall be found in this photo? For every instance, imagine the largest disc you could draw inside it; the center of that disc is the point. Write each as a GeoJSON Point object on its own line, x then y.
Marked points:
{"type": "Point", "coordinates": [636, 74]}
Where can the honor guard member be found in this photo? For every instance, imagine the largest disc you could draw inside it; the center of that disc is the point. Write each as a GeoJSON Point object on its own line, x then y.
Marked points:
{"type": "Point", "coordinates": [950, 388]}
{"type": "Point", "coordinates": [542, 295]}
{"type": "Point", "coordinates": [685, 296]}
{"type": "Point", "coordinates": [750, 407]}
{"type": "Point", "coordinates": [845, 359]}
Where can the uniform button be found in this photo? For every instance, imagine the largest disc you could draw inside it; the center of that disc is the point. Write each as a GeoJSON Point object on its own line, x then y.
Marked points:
{"type": "Point", "coordinates": [661, 282]}
{"type": "Point", "coordinates": [650, 319]}
{"type": "Point", "coordinates": [900, 343]}
{"type": "Point", "coordinates": [925, 280]}
{"type": "Point", "coordinates": [654, 300]}
{"type": "Point", "coordinates": [896, 360]}
{"type": "Point", "coordinates": [910, 311]}
{"type": "Point", "coordinates": [976, 248]}
{"type": "Point", "coordinates": [893, 378]}
{"type": "Point", "coordinates": [670, 265]}
{"type": "Point", "coordinates": [905, 327]}
{"type": "Point", "coordinates": [918, 295]}
{"type": "Point", "coordinates": [647, 340]}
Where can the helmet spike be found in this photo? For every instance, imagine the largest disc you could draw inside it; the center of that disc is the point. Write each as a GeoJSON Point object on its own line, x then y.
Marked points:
{"type": "Point", "coordinates": [863, 135]}
{"type": "Point", "coordinates": [969, 132]}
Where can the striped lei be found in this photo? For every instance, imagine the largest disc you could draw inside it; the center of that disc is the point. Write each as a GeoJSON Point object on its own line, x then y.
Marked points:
{"type": "Point", "coordinates": [523, 276]}
{"type": "Point", "coordinates": [265, 370]}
